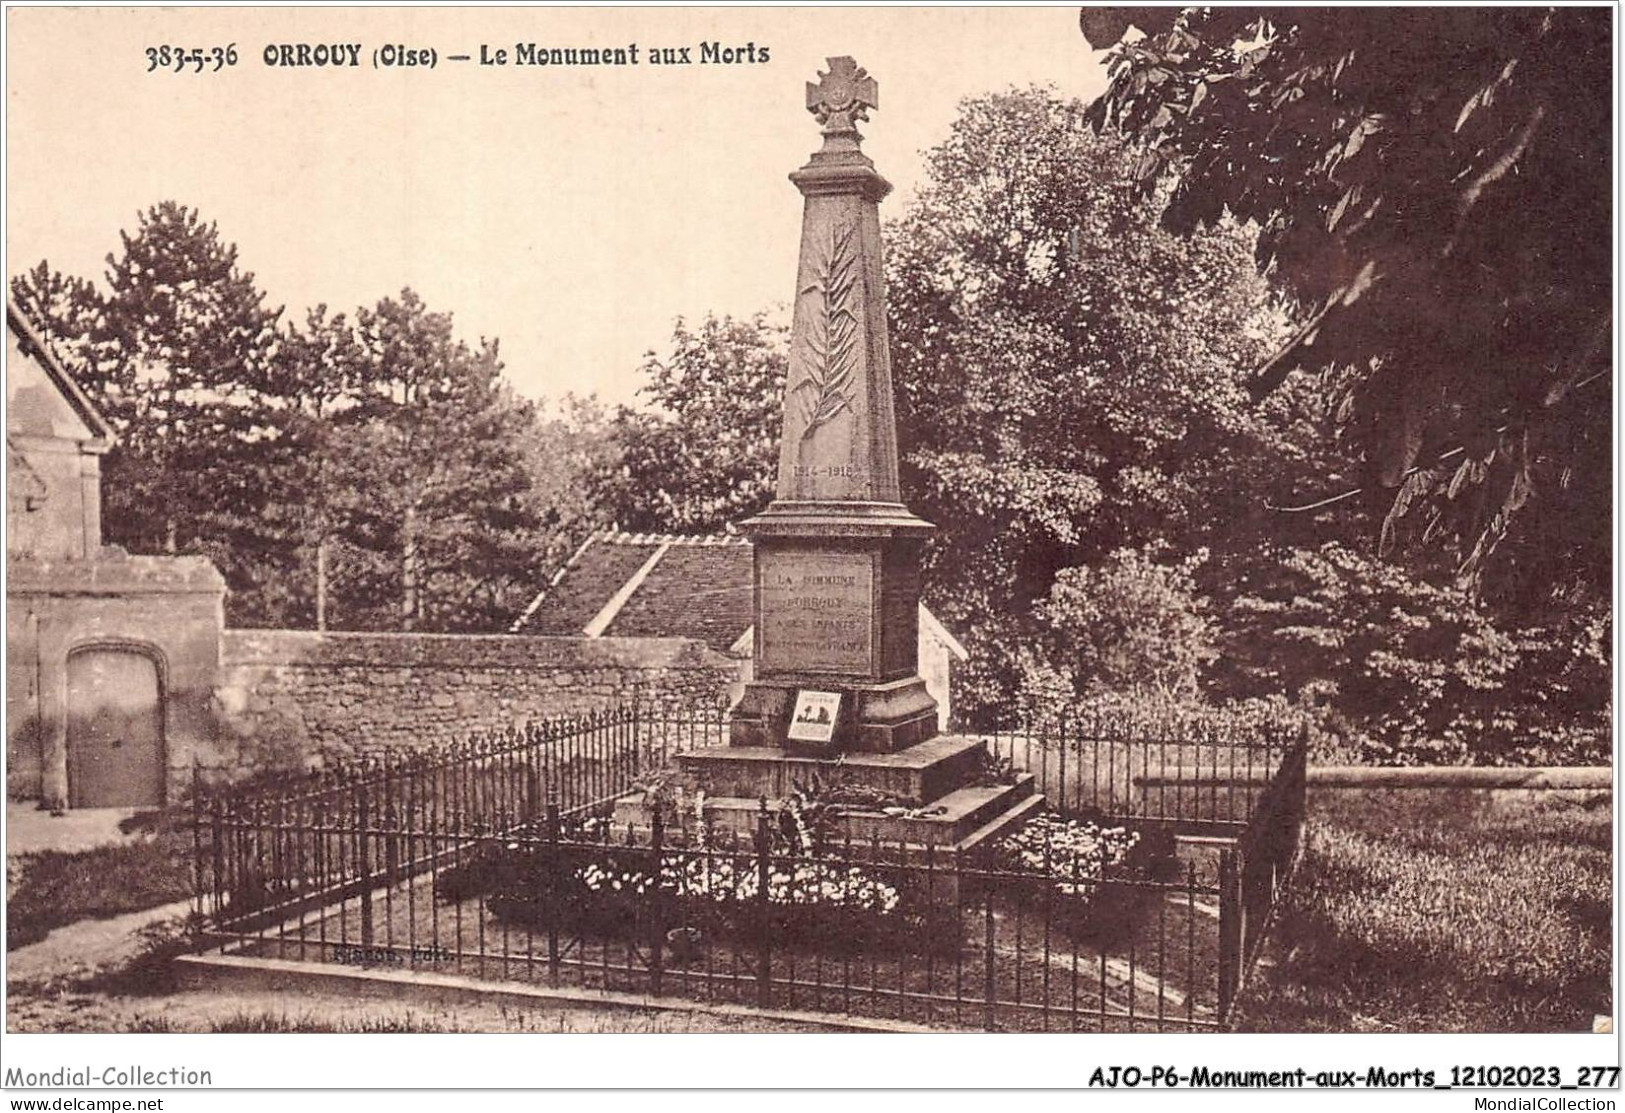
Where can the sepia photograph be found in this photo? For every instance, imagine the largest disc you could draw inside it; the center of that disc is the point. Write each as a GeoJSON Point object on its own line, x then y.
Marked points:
{"type": "Point", "coordinates": [1091, 521]}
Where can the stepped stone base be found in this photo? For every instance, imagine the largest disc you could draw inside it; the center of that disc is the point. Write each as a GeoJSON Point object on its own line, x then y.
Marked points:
{"type": "Point", "coordinates": [940, 804]}
{"type": "Point", "coordinates": [948, 823]}
{"type": "Point", "coordinates": [917, 775]}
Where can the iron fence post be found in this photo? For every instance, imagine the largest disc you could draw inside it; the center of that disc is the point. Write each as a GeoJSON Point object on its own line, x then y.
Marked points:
{"type": "Point", "coordinates": [555, 888]}
{"type": "Point", "coordinates": [657, 907]}
{"type": "Point", "coordinates": [1230, 932]}
{"type": "Point", "coordinates": [391, 826]}
{"type": "Point", "coordinates": [764, 947]}
{"type": "Point", "coordinates": [197, 844]}
{"type": "Point", "coordinates": [363, 861]}
{"type": "Point", "coordinates": [218, 837]}
{"type": "Point", "coordinates": [988, 988]}
{"type": "Point", "coordinates": [533, 787]}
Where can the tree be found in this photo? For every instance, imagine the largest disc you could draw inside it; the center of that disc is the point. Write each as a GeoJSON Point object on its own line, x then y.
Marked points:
{"type": "Point", "coordinates": [706, 454]}
{"type": "Point", "coordinates": [1433, 187]}
{"type": "Point", "coordinates": [199, 342]}
{"type": "Point", "coordinates": [1410, 672]}
{"type": "Point", "coordinates": [568, 452]}
{"type": "Point", "coordinates": [368, 471]}
{"type": "Point", "coordinates": [439, 532]}
{"type": "Point", "coordinates": [1069, 373]}
{"type": "Point", "coordinates": [178, 354]}
{"type": "Point", "coordinates": [322, 481]}
{"type": "Point", "coordinates": [67, 312]}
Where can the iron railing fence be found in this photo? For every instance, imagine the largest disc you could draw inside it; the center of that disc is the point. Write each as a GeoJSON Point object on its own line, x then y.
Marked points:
{"type": "Point", "coordinates": [473, 860]}
{"type": "Point", "coordinates": [916, 934]}
{"type": "Point", "coordinates": [1193, 772]}
{"type": "Point", "coordinates": [272, 847]}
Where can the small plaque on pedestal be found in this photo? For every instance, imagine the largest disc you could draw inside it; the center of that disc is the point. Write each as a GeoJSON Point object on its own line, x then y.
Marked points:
{"type": "Point", "coordinates": [814, 717]}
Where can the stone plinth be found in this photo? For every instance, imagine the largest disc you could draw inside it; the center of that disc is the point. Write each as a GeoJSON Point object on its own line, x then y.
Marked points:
{"type": "Point", "coordinates": [935, 786]}
{"type": "Point", "coordinates": [962, 820]}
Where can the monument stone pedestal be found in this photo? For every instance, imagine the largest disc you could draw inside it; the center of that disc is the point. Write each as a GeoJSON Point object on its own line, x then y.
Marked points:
{"type": "Point", "coordinates": [837, 612]}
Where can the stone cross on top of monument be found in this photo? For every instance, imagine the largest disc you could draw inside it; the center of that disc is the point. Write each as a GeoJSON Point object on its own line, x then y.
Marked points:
{"type": "Point", "coordinates": [841, 98]}
{"type": "Point", "coordinates": [837, 552]}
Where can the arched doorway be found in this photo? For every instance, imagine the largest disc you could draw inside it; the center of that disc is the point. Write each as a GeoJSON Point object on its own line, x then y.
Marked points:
{"type": "Point", "coordinates": [115, 729]}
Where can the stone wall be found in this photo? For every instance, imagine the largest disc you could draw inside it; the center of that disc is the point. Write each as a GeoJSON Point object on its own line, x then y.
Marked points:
{"type": "Point", "coordinates": [295, 699]}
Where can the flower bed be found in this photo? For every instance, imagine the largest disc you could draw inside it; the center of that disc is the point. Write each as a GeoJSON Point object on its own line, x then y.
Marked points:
{"type": "Point", "coordinates": [1095, 877]}
{"type": "Point", "coordinates": [620, 891]}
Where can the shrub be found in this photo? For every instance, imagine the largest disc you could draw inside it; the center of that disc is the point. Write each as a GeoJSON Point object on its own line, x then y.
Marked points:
{"type": "Point", "coordinates": [1417, 673]}
{"type": "Point", "coordinates": [1089, 873]}
{"type": "Point", "coordinates": [1130, 625]}
{"type": "Point", "coordinates": [1066, 847]}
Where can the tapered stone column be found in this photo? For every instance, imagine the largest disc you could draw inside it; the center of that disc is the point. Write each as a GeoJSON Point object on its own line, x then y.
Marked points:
{"type": "Point", "coordinates": [837, 554]}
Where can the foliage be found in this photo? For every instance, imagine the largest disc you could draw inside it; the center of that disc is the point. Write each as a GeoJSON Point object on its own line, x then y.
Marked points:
{"type": "Point", "coordinates": [1415, 672]}
{"type": "Point", "coordinates": [365, 471]}
{"type": "Point", "coordinates": [571, 443]}
{"type": "Point", "coordinates": [995, 769]}
{"type": "Point", "coordinates": [1432, 911]}
{"type": "Point", "coordinates": [1069, 848]}
{"type": "Point", "coordinates": [1068, 372]}
{"type": "Point", "coordinates": [1431, 185]}
{"type": "Point", "coordinates": [814, 808]}
{"type": "Point", "coordinates": [177, 353]}
{"type": "Point", "coordinates": [1129, 624]}
{"type": "Point", "coordinates": [705, 454]}
{"type": "Point", "coordinates": [1088, 874]}
{"type": "Point", "coordinates": [437, 533]}
{"type": "Point", "coordinates": [264, 1022]}
{"type": "Point", "coordinates": [798, 883]}
{"type": "Point", "coordinates": [816, 900]}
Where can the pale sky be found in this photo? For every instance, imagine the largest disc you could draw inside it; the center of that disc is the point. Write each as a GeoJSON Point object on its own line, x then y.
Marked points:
{"type": "Point", "coordinates": [572, 212]}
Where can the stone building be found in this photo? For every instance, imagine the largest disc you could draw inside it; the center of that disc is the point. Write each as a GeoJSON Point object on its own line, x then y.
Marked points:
{"type": "Point", "coordinates": [626, 585]}
{"type": "Point", "coordinates": [110, 659]}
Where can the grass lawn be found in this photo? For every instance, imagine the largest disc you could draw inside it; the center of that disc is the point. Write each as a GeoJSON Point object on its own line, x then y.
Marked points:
{"type": "Point", "coordinates": [51, 888]}
{"type": "Point", "coordinates": [72, 1009]}
{"type": "Point", "coordinates": [1443, 911]}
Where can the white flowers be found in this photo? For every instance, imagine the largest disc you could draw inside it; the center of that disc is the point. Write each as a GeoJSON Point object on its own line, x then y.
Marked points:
{"type": "Point", "coordinates": [1072, 852]}
{"type": "Point", "coordinates": [821, 882]}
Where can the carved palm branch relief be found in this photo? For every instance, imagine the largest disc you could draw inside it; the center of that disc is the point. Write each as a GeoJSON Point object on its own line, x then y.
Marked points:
{"type": "Point", "coordinates": [829, 332]}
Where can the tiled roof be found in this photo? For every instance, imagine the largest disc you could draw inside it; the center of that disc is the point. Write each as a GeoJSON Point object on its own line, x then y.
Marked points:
{"type": "Point", "coordinates": [649, 585]}
{"type": "Point", "coordinates": [580, 589]}
{"type": "Point", "coordinates": [699, 587]}
{"type": "Point", "coordinates": [697, 591]}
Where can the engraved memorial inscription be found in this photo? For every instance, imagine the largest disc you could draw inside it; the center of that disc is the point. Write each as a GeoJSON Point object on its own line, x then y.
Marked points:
{"type": "Point", "coordinates": [817, 612]}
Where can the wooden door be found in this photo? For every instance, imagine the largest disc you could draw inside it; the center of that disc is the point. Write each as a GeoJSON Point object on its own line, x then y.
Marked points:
{"type": "Point", "coordinates": [115, 730]}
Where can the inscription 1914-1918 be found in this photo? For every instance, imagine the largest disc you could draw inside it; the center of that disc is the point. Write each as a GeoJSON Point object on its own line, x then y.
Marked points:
{"type": "Point", "coordinates": [817, 612]}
